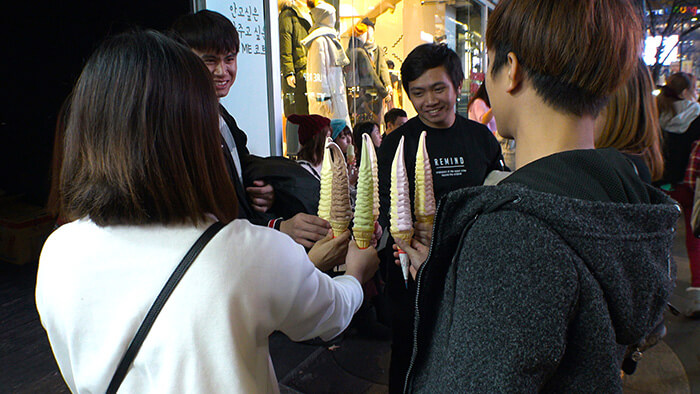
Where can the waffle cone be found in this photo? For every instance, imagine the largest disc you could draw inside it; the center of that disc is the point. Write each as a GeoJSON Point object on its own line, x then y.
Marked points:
{"type": "Point", "coordinates": [339, 227]}
{"type": "Point", "coordinates": [363, 237]}
{"type": "Point", "coordinates": [404, 235]}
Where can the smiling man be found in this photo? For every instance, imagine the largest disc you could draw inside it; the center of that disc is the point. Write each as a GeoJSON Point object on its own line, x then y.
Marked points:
{"type": "Point", "coordinates": [462, 153]}
{"type": "Point", "coordinates": [213, 38]}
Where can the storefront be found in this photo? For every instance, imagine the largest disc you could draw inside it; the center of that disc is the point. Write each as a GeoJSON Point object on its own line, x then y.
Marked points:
{"type": "Point", "coordinates": [356, 77]}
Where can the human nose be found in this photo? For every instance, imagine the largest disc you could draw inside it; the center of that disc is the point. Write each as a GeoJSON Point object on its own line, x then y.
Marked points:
{"type": "Point", "coordinates": [219, 69]}
{"type": "Point", "coordinates": [431, 97]}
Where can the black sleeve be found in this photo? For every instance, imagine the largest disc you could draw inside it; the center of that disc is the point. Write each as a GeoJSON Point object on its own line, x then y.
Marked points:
{"type": "Point", "coordinates": [385, 156]}
{"type": "Point", "coordinates": [496, 161]}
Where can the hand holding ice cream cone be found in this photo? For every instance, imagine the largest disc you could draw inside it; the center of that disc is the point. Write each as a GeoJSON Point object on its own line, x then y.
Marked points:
{"type": "Point", "coordinates": [415, 252]}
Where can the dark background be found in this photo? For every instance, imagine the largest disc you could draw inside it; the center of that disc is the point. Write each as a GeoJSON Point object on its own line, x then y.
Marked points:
{"type": "Point", "coordinates": [44, 47]}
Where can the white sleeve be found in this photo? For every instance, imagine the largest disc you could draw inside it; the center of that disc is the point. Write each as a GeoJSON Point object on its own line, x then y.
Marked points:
{"type": "Point", "coordinates": [310, 303]}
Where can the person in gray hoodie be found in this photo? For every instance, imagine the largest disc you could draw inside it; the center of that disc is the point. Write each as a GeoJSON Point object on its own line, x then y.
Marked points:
{"type": "Point", "coordinates": [541, 282]}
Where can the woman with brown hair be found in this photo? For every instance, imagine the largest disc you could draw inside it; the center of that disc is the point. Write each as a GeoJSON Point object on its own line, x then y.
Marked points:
{"type": "Point", "coordinates": [630, 124]}
{"type": "Point", "coordinates": [313, 131]}
{"type": "Point", "coordinates": [142, 177]}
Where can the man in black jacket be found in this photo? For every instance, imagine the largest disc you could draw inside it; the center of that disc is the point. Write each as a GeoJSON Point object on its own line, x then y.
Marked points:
{"type": "Point", "coordinates": [462, 153]}
{"type": "Point", "coordinates": [539, 284]}
{"type": "Point", "coordinates": [215, 40]}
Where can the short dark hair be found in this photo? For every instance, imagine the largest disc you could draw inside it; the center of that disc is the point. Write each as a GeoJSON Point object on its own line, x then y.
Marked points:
{"type": "Point", "coordinates": [391, 115]}
{"type": "Point", "coordinates": [427, 56]}
{"type": "Point", "coordinates": [574, 52]}
{"type": "Point", "coordinates": [207, 31]}
{"type": "Point", "coordinates": [142, 142]}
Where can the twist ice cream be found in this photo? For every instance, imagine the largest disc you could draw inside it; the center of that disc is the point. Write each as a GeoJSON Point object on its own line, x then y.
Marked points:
{"type": "Point", "coordinates": [367, 195]}
{"type": "Point", "coordinates": [424, 197]}
{"type": "Point", "coordinates": [325, 197]}
{"type": "Point", "coordinates": [401, 221]}
{"type": "Point", "coordinates": [340, 209]}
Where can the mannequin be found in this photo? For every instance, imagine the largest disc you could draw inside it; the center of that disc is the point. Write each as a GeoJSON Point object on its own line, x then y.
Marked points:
{"type": "Point", "coordinates": [367, 75]}
{"type": "Point", "coordinates": [325, 85]}
{"type": "Point", "coordinates": [294, 25]}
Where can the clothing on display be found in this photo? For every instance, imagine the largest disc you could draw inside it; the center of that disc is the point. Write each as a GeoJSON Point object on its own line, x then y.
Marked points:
{"type": "Point", "coordinates": [325, 84]}
{"type": "Point", "coordinates": [367, 77]}
{"type": "Point", "coordinates": [294, 25]}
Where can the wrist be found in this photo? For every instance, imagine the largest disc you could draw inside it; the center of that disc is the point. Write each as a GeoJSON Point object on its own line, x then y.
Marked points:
{"type": "Point", "coordinates": [275, 223]}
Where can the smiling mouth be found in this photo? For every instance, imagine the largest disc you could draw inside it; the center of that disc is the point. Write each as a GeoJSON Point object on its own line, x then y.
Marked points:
{"type": "Point", "coordinates": [434, 112]}
{"type": "Point", "coordinates": [221, 84]}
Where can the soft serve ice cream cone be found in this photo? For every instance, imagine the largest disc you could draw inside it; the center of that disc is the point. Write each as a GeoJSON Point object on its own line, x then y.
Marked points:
{"type": "Point", "coordinates": [340, 209]}
{"type": "Point", "coordinates": [424, 196]}
{"type": "Point", "coordinates": [401, 222]}
{"type": "Point", "coordinates": [367, 200]}
{"type": "Point", "coordinates": [325, 196]}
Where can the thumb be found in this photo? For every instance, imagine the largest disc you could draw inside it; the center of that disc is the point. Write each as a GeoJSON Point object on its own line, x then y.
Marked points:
{"type": "Point", "coordinates": [258, 182]}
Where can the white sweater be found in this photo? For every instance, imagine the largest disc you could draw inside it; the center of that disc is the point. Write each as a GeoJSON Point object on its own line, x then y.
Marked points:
{"type": "Point", "coordinates": [95, 285]}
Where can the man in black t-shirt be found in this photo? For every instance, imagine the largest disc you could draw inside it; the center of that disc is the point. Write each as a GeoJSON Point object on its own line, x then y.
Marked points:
{"type": "Point", "coordinates": [462, 153]}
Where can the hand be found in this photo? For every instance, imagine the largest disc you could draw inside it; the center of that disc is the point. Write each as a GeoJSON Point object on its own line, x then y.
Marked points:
{"type": "Point", "coordinates": [361, 263]}
{"type": "Point", "coordinates": [417, 254]}
{"type": "Point", "coordinates": [291, 81]}
{"type": "Point", "coordinates": [330, 252]}
{"type": "Point", "coordinates": [261, 196]}
{"type": "Point", "coordinates": [378, 231]}
{"type": "Point", "coordinates": [305, 229]}
{"type": "Point", "coordinates": [422, 232]}
{"type": "Point", "coordinates": [353, 174]}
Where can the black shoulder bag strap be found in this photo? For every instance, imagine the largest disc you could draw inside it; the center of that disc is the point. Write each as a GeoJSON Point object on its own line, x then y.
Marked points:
{"type": "Point", "coordinates": [174, 279]}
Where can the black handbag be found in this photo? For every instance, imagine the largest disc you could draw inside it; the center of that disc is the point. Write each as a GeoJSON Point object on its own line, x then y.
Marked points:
{"type": "Point", "coordinates": [157, 306]}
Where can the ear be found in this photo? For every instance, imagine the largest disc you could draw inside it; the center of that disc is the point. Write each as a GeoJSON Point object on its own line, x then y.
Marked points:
{"type": "Point", "coordinates": [515, 73]}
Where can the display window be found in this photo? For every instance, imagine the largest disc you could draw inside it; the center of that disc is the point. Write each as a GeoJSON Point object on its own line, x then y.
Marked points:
{"type": "Point", "coordinates": [342, 59]}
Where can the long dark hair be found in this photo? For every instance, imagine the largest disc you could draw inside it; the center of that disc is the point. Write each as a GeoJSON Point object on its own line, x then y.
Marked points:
{"type": "Point", "coordinates": [481, 93]}
{"type": "Point", "coordinates": [312, 150]}
{"type": "Point", "coordinates": [632, 122]}
{"type": "Point", "coordinates": [362, 128]}
{"type": "Point", "coordinates": [142, 143]}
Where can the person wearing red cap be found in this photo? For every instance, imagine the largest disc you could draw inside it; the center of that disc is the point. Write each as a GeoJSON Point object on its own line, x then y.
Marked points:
{"type": "Point", "coordinates": [313, 130]}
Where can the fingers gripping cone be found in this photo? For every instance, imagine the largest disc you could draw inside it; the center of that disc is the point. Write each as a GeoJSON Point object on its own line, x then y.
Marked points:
{"type": "Point", "coordinates": [340, 209]}
{"type": "Point", "coordinates": [424, 196]}
{"type": "Point", "coordinates": [367, 199]}
{"type": "Point", "coordinates": [401, 225]}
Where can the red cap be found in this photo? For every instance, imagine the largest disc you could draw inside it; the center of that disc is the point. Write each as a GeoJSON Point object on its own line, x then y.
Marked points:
{"type": "Point", "coordinates": [309, 125]}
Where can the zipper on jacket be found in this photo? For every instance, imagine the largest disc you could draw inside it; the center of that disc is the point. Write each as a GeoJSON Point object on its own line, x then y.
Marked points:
{"type": "Point", "coordinates": [416, 319]}
{"type": "Point", "coordinates": [470, 223]}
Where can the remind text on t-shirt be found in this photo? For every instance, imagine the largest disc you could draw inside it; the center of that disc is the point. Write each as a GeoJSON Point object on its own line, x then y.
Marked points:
{"type": "Point", "coordinates": [449, 166]}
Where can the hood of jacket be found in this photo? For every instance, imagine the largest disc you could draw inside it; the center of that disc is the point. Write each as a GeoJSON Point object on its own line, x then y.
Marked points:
{"type": "Point", "coordinates": [301, 14]}
{"type": "Point", "coordinates": [625, 246]}
{"type": "Point", "coordinates": [686, 112]}
{"type": "Point", "coordinates": [323, 15]}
